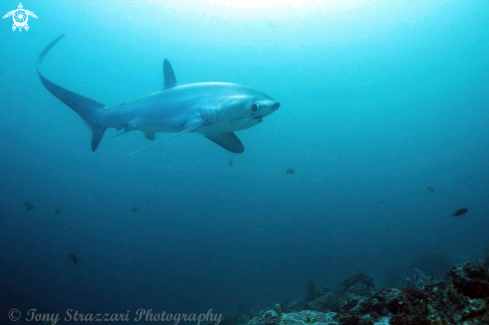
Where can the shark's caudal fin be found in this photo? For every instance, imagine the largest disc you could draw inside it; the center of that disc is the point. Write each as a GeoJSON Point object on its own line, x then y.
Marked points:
{"type": "Point", "coordinates": [88, 110]}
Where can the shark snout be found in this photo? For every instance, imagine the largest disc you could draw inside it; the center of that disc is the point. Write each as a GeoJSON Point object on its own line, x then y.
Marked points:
{"type": "Point", "coordinates": [275, 106]}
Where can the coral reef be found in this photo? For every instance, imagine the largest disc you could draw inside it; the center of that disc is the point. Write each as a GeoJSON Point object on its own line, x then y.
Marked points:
{"type": "Point", "coordinates": [462, 297]}
{"type": "Point", "coordinates": [359, 278]}
{"type": "Point", "coordinates": [278, 310]}
{"type": "Point", "coordinates": [304, 317]}
{"type": "Point", "coordinates": [420, 279]}
{"type": "Point", "coordinates": [471, 280]}
{"type": "Point", "coordinates": [323, 300]}
{"type": "Point", "coordinates": [486, 257]}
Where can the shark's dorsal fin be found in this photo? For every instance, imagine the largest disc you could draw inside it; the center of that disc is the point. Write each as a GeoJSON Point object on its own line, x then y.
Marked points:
{"type": "Point", "coordinates": [169, 75]}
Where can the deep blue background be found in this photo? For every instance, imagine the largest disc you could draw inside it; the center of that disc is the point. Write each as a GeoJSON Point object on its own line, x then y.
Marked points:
{"type": "Point", "coordinates": [379, 100]}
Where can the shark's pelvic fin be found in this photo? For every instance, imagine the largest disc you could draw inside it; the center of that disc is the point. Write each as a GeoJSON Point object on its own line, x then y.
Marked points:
{"type": "Point", "coordinates": [119, 134]}
{"type": "Point", "coordinates": [187, 129]}
{"type": "Point", "coordinates": [150, 135]}
{"type": "Point", "coordinates": [88, 110]}
{"type": "Point", "coordinates": [131, 126]}
{"type": "Point", "coordinates": [228, 141]}
{"type": "Point", "coordinates": [168, 74]}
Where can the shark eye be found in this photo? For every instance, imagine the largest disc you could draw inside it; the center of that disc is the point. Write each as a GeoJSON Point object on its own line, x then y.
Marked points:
{"type": "Point", "coordinates": [254, 108]}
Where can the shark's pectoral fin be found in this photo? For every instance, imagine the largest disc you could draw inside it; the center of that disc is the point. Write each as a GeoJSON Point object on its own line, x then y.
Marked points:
{"type": "Point", "coordinates": [228, 141]}
{"type": "Point", "coordinates": [149, 135]}
{"type": "Point", "coordinates": [186, 129]}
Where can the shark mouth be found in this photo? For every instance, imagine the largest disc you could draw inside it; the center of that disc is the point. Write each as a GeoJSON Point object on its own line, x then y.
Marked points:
{"type": "Point", "coordinates": [258, 117]}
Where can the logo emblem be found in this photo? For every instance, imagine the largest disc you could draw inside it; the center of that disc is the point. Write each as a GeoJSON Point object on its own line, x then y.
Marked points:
{"type": "Point", "coordinates": [20, 17]}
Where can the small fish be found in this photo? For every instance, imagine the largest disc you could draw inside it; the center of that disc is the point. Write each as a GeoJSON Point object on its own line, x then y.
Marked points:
{"type": "Point", "coordinates": [460, 212]}
{"type": "Point", "coordinates": [29, 205]}
{"type": "Point", "coordinates": [430, 189]}
{"type": "Point", "coordinates": [289, 171]}
{"type": "Point", "coordinates": [230, 162]}
{"type": "Point", "coordinates": [135, 209]}
{"type": "Point", "coordinates": [58, 211]}
{"type": "Point", "coordinates": [72, 258]}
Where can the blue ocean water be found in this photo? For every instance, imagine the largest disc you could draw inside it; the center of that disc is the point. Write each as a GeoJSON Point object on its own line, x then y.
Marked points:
{"type": "Point", "coordinates": [379, 100]}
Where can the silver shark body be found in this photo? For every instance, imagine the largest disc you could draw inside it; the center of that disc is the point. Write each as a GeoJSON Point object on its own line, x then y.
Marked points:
{"type": "Point", "coordinates": [213, 109]}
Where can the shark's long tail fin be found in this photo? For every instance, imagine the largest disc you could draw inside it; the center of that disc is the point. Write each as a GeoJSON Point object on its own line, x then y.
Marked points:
{"type": "Point", "coordinates": [88, 110]}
